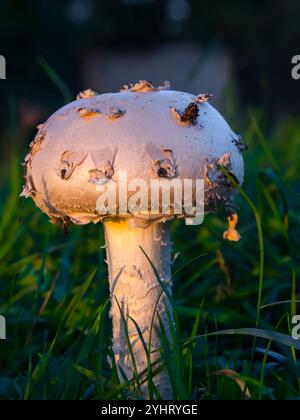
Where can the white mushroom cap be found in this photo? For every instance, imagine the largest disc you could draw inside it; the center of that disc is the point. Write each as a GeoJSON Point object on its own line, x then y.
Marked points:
{"type": "Point", "coordinates": [148, 132]}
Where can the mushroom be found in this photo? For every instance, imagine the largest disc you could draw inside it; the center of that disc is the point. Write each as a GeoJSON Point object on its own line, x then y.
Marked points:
{"type": "Point", "coordinates": [148, 134]}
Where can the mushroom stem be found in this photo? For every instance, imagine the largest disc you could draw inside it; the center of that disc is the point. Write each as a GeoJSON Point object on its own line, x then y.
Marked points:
{"type": "Point", "coordinates": [135, 289]}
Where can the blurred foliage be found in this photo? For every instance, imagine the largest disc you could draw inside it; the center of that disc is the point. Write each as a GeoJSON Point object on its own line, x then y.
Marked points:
{"type": "Point", "coordinates": [261, 35]}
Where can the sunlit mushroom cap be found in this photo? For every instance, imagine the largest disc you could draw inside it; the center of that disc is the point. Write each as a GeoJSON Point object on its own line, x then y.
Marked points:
{"type": "Point", "coordinates": [147, 132]}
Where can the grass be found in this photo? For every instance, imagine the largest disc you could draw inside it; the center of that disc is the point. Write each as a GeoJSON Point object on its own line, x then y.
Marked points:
{"type": "Point", "coordinates": [233, 302]}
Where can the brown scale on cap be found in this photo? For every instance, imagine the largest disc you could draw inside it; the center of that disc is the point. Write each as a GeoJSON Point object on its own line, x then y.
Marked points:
{"type": "Point", "coordinates": [164, 168]}
{"type": "Point", "coordinates": [29, 189]}
{"type": "Point", "coordinates": [68, 162]}
{"type": "Point", "coordinates": [88, 112]}
{"type": "Point", "coordinates": [103, 169]}
{"type": "Point", "coordinates": [225, 161]}
{"type": "Point", "coordinates": [189, 115]}
{"type": "Point", "coordinates": [220, 190]}
{"type": "Point", "coordinates": [35, 145]}
{"type": "Point", "coordinates": [145, 86]}
{"type": "Point", "coordinates": [86, 94]}
{"type": "Point", "coordinates": [238, 141]}
{"type": "Point", "coordinates": [65, 222]}
{"type": "Point", "coordinates": [203, 97]}
{"type": "Point", "coordinates": [115, 113]}
{"type": "Point", "coordinates": [100, 176]}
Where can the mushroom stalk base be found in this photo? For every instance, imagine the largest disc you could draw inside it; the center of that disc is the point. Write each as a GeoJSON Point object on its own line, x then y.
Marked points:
{"type": "Point", "coordinates": [135, 289]}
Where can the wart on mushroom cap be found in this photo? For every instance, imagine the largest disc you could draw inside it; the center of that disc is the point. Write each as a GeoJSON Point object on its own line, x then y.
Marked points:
{"type": "Point", "coordinates": [189, 115]}
{"type": "Point", "coordinates": [86, 94]}
{"type": "Point", "coordinates": [144, 86]}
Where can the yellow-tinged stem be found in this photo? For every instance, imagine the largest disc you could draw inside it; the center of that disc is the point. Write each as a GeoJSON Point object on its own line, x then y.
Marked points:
{"type": "Point", "coordinates": [135, 290]}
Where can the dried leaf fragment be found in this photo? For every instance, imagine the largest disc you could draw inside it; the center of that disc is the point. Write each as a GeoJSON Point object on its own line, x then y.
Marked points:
{"type": "Point", "coordinates": [234, 376]}
{"type": "Point", "coordinates": [232, 234]}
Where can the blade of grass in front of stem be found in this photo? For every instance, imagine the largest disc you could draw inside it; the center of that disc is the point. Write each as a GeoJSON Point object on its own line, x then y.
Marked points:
{"type": "Point", "coordinates": [130, 349]}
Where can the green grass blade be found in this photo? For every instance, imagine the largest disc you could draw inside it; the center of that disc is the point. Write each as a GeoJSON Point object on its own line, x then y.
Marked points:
{"type": "Point", "coordinates": [55, 78]}
{"type": "Point", "coordinates": [129, 348]}
{"type": "Point", "coordinates": [40, 369]}
{"type": "Point", "coordinates": [260, 239]}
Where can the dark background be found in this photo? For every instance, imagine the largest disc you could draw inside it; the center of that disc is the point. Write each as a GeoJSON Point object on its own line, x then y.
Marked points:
{"type": "Point", "coordinates": [261, 37]}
